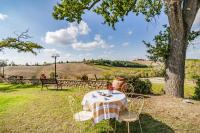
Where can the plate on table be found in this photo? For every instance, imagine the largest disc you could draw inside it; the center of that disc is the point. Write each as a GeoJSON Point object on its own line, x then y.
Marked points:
{"type": "Point", "coordinates": [116, 93]}
{"type": "Point", "coordinates": [104, 94]}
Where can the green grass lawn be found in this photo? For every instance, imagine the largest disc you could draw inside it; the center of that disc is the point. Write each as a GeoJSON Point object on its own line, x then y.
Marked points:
{"type": "Point", "coordinates": [10, 98]}
{"type": "Point", "coordinates": [25, 108]}
{"type": "Point", "coordinates": [157, 88]}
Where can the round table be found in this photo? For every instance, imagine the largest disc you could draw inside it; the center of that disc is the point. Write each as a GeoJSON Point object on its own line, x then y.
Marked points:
{"type": "Point", "coordinates": [104, 107]}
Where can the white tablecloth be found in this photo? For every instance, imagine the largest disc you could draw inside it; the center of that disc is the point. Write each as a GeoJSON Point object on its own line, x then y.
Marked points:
{"type": "Point", "coordinates": [104, 107]}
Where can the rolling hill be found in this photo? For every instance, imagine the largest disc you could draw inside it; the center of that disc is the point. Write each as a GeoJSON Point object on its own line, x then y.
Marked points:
{"type": "Point", "coordinates": [76, 70]}
{"type": "Point", "coordinates": [69, 70]}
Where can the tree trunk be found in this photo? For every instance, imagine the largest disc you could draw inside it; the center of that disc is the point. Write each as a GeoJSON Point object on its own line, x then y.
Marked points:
{"type": "Point", "coordinates": [181, 15]}
{"type": "Point", "coordinates": [174, 80]}
{"type": "Point", "coordinates": [175, 72]}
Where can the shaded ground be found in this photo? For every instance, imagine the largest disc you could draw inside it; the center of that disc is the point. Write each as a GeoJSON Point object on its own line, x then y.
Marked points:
{"type": "Point", "coordinates": [182, 117]}
{"type": "Point", "coordinates": [28, 109]}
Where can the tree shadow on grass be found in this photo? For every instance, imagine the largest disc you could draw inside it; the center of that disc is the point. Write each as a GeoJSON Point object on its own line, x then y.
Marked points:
{"type": "Point", "coordinates": [54, 89]}
{"type": "Point", "coordinates": [64, 88]}
{"type": "Point", "coordinates": [148, 123]}
{"type": "Point", "coordinates": [6, 88]}
{"type": "Point", "coordinates": [134, 95]}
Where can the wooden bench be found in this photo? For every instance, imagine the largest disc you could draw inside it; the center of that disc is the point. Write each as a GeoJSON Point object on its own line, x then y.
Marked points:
{"type": "Point", "coordinates": [46, 82]}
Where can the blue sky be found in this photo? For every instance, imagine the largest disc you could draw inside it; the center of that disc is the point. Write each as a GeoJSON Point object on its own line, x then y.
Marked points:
{"type": "Point", "coordinates": [90, 39]}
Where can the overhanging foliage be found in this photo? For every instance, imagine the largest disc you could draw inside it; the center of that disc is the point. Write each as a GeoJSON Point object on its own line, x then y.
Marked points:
{"type": "Point", "coordinates": [111, 10]}
{"type": "Point", "coordinates": [20, 43]}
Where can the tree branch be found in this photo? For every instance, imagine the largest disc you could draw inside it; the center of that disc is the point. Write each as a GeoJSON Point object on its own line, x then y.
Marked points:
{"type": "Point", "coordinates": [23, 35]}
{"type": "Point", "coordinates": [20, 43]}
{"type": "Point", "coordinates": [92, 5]}
{"type": "Point", "coordinates": [174, 12]}
{"type": "Point", "coordinates": [190, 9]}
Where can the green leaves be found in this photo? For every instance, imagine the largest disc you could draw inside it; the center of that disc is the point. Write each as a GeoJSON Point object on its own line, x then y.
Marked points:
{"type": "Point", "coordinates": [159, 50]}
{"type": "Point", "coordinates": [149, 8]}
{"type": "Point", "coordinates": [70, 10]}
{"type": "Point", "coordinates": [112, 11]}
{"type": "Point", "coordinates": [20, 43]}
{"type": "Point", "coordinates": [193, 35]}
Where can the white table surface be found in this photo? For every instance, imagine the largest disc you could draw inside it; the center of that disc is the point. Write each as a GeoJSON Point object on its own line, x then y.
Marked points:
{"type": "Point", "coordinates": [94, 97]}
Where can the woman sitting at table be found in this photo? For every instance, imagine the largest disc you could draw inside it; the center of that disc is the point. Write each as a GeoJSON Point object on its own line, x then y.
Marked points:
{"type": "Point", "coordinates": [119, 84]}
{"type": "Point", "coordinates": [43, 76]}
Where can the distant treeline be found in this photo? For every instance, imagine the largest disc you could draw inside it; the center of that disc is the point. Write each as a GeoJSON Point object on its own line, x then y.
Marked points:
{"type": "Point", "coordinates": [115, 63]}
{"type": "Point", "coordinates": [195, 60]}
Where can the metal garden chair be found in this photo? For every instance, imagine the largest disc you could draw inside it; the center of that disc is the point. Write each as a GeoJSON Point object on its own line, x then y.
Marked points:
{"type": "Point", "coordinates": [131, 115]}
{"type": "Point", "coordinates": [81, 116]}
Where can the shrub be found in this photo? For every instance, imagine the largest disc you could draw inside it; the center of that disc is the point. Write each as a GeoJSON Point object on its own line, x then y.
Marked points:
{"type": "Point", "coordinates": [84, 77]}
{"type": "Point", "coordinates": [161, 73]}
{"type": "Point", "coordinates": [34, 80]}
{"type": "Point", "coordinates": [197, 89]}
{"type": "Point", "coordinates": [107, 76]}
{"type": "Point", "coordinates": [65, 77]}
{"type": "Point", "coordinates": [52, 75]}
{"type": "Point", "coordinates": [140, 86]}
{"type": "Point", "coordinates": [33, 77]}
{"type": "Point", "coordinates": [78, 77]}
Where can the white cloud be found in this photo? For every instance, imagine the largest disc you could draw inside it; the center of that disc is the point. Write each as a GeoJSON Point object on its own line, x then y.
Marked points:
{"type": "Point", "coordinates": [197, 19]}
{"type": "Point", "coordinates": [111, 46]}
{"type": "Point", "coordinates": [193, 51]}
{"type": "Point", "coordinates": [50, 52]}
{"type": "Point", "coordinates": [98, 42]}
{"type": "Point", "coordinates": [196, 41]}
{"type": "Point", "coordinates": [67, 55]}
{"type": "Point", "coordinates": [62, 36]}
{"type": "Point", "coordinates": [125, 44]}
{"type": "Point", "coordinates": [3, 16]}
{"type": "Point", "coordinates": [68, 35]}
{"type": "Point", "coordinates": [108, 52]}
{"type": "Point", "coordinates": [83, 28]}
{"type": "Point", "coordinates": [130, 32]}
{"type": "Point", "coordinates": [87, 55]}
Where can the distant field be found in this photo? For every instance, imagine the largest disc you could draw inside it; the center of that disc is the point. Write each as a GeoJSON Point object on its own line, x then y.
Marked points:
{"type": "Point", "coordinates": [67, 71]}
{"type": "Point", "coordinates": [192, 68]}
{"type": "Point", "coordinates": [76, 70]}
{"type": "Point", "coordinates": [189, 89]}
{"type": "Point", "coordinates": [141, 72]}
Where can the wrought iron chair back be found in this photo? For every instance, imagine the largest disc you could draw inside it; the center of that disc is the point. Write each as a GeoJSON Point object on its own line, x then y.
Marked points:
{"type": "Point", "coordinates": [128, 89]}
{"type": "Point", "coordinates": [74, 109]}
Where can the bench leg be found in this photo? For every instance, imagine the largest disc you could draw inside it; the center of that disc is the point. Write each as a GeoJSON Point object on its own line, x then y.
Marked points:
{"type": "Point", "coordinates": [59, 86]}
{"type": "Point", "coordinates": [47, 87]}
{"type": "Point", "coordinates": [42, 87]}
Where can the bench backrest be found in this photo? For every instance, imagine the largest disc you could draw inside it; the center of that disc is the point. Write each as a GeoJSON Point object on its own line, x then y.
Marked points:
{"type": "Point", "coordinates": [49, 81]}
